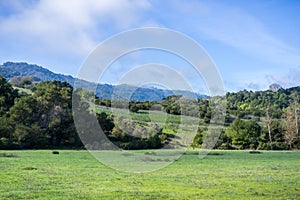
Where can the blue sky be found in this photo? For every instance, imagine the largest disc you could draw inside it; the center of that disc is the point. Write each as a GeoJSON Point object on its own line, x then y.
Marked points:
{"type": "Point", "coordinates": [253, 43]}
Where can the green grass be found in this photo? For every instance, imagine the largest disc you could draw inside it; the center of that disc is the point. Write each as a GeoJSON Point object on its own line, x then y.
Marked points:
{"type": "Point", "coordinates": [142, 115]}
{"type": "Point", "coordinates": [169, 123]}
{"type": "Point", "coordinates": [222, 175]}
{"type": "Point", "coordinates": [153, 116]}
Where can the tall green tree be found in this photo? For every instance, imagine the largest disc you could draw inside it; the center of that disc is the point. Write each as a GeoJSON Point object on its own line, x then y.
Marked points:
{"type": "Point", "coordinates": [7, 96]}
{"type": "Point", "coordinates": [55, 103]}
{"type": "Point", "coordinates": [244, 133]}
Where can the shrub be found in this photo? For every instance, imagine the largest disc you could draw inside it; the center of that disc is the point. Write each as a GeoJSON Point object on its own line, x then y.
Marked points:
{"type": "Point", "coordinates": [134, 109]}
{"type": "Point", "coordinates": [255, 152]}
{"type": "Point", "coordinates": [225, 146]}
{"type": "Point", "coordinates": [273, 146]}
{"type": "Point", "coordinates": [8, 144]}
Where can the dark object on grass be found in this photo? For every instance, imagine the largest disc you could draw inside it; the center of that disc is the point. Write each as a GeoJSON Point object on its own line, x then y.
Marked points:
{"type": "Point", "coordinates": [255, 152]}
{"type": "Point", "coordinates": [210, 153]}
{"type": "Point", "coordinates": [29, 168]}
{"type": "Point", "coordinates": [55, 152]}
{"type": "Point", "coordinates": [215, 154]}
{"type": "Point", "coordinates": [8, 155]}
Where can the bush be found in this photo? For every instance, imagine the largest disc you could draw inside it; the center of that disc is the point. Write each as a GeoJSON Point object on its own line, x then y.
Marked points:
{"type": "Point", "coordinates": [255, 152]}
{"type": "Point", "coordinates": [225, 146]}
{"type": "Point", "coordinates": [252, 146]}
{"type": "Point", "coordinates": [273, 146]}
{"type": "Point", "coordinates": [55, 152]}
{"type": "Point", "coordinates": [134, 109]}
{"type": "Point", "coordinates": [8, 144]}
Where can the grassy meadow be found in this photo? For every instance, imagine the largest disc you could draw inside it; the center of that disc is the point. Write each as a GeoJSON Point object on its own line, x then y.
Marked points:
{"type": "Point", "coordinates": [76, 174]}
{"type": "Point", "coordinates": [170, 123]}
{"type": "Point", "coordinates": [72, 174]}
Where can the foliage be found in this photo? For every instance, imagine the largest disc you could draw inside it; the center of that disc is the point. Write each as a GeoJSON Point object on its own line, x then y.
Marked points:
{"type": "Point", "coordinates": [172, 105]}
{"type": "Point", "coordinates": [291, 132]}
{"type": "Point", "coordinates": [244, 134]}
{"type": "Point", "coordinates": [133, 108]}
{"type": "Point", "coordinates": [7, 96]}
{"type": "Point", "coordinates": [129, 134]}
{"type": "Point", "coordinates": [273, 146]}
{"type": "Point", "coordinates": [43, 119]}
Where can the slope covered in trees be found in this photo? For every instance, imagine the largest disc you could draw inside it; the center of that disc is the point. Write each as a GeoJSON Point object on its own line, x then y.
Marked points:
{"type": "Point", "coordinates": [43, 119]}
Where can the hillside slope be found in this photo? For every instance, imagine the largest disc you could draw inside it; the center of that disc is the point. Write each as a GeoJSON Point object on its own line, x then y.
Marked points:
{"type": "Point", "coordinates": [104, 91]}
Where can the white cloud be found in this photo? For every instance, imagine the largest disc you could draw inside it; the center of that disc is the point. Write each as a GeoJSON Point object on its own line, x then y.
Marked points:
{"type": "Point", "coordinates": [235, 27]}
{"type": "Point", "coordinates": [62, 32]}
{"type": "Point", "coordinates": [291, 79]}
{"type": "Point", "coordinates": [75, 26]}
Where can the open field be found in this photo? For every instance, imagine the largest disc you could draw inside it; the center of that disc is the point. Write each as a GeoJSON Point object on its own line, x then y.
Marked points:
{"type": "Point", "coordinates": [159, 117]}
{"type": "Point", "coordinates": [77, 175]}
{"type": "Point", "coordinates": [170, 123]}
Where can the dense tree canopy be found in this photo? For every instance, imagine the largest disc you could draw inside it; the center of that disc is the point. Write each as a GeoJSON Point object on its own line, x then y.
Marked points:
{"type": "Point", "coordinates": [7, 96]}
{"type": "Point", "coordinates": [43, 119]}
{"type": "Point", "coordinates": [245, 134]}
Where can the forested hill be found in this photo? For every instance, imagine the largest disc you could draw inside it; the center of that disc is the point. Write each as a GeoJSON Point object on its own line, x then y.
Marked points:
{"type": "Point", "coordinates": [43, 118]}
{"type": "Point", "coordinates": [257, 103]}
{"type": "Point", "coordinates": [14, 71]}
{"type": "Point", "coordinates": [10, 70]}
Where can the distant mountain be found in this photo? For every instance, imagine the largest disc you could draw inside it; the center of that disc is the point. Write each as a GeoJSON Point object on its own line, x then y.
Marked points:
{"type": "Point", "coordinates": [12, 69]}
{"type": "Point", "coordinates": [275, 87]}
{"type": "Point", "coordinates": [103, 91]}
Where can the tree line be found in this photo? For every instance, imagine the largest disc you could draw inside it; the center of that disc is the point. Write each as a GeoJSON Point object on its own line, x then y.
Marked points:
{"type": "Point", "coordinates": [253, 120]}
{"type": "Point", "coordinates": [43, 119]}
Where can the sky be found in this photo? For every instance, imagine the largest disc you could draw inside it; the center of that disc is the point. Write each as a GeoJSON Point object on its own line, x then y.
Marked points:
{"type": "Point", "coordinates": [252, 43]}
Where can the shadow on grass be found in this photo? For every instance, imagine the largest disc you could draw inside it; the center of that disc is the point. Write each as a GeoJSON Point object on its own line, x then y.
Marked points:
{"type": "Point", "coordinates": [8, 155]}
{"type": "Point", "coordinates": [148, 159]}
{"type": "Point", "coordinates": [29, 168]}
{"type": "Point", "coordinates": [206, 153]}
{"type": "Point", "coordinates": [255, 152]}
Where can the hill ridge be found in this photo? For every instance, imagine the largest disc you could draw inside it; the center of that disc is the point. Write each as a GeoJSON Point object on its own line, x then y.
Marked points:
{"type": "Point", "coordinates": [104, 91]}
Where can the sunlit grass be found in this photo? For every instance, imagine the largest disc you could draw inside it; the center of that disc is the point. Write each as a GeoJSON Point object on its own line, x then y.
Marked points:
{"type": "Point", "coordinates": [222, 175]}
